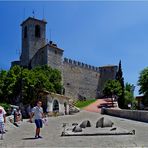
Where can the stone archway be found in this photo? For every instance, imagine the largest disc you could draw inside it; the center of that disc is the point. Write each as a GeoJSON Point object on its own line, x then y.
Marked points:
{"type": "Point", "coordinates": [55, 106]}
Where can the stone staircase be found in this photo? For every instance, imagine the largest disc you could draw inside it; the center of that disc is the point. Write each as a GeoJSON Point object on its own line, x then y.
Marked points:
{"type": "Point", "coordinates": [72, 108]}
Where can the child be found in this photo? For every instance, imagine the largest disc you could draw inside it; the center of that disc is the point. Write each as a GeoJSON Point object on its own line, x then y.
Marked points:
{"type": "Point", "coordinates": [45, 121]}
{"type": "Point", "coordinates": [2, 121]}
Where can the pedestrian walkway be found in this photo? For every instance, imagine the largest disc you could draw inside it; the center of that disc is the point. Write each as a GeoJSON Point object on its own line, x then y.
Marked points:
{"type": "Point", "coordinates": [23, 136]}
{"type": "Point", "coordinates": [96, 106]}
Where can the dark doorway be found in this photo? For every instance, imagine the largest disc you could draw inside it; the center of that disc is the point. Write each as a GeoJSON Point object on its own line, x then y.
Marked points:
{"type": "Point", "coordinates": [55, 106]}
{"type": "Point", "coordinates": [65, 108]}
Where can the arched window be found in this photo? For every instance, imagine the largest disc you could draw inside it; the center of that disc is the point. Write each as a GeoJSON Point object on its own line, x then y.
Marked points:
{"type": "Point", "coordinates": [25, 32]}
{"type": "Point", "coordinates": [37, 31]}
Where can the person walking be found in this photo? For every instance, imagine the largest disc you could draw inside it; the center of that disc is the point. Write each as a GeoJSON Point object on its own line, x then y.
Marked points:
{"type": "Point", "coordinates": [2, 121]}
{"type": "Point", "coordinates": [37, 112]}
{"type": "Point", "coordinates": [14, 113]}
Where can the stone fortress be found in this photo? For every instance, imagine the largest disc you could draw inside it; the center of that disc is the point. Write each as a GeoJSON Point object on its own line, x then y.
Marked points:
{"type": "Point", "coordinates": [80, 80]}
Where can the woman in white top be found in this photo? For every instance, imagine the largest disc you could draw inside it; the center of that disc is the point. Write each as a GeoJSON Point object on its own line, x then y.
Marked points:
{"type": "Point", "coordinates": [2, 120]}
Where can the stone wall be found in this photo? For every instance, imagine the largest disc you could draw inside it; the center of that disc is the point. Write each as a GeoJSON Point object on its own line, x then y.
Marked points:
{"type": "Point", "coordinates": [13, 63]}
{"type": "Point", "coordinates": [54, 56]}
{"type": "Point", "coordinates": [80, 80]}
{"type": "Point", "coordinates": [106, 73]}
{"type": "Point", "coordinates": [34, 42]}
{"type": "Point", "coordinates": [40, 58]}
{"type": "Point", "coordinates": [31, 44]}
{"type": "Point", "coordinates": [128, 114]}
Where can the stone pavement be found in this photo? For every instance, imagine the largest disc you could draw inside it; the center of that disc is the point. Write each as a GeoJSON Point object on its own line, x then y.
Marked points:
{"type": "Point", "coordinates": [23, 136]}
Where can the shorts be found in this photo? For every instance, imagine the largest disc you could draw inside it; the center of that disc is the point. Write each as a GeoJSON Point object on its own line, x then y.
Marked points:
{"type": "Point", "coordinates": [38, 123]}
{"type": "Point", "coordinates": [2, 126]}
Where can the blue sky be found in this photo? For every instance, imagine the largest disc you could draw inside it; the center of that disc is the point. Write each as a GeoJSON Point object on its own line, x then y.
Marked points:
{"type": "Point", "coordinates": [97, 33]}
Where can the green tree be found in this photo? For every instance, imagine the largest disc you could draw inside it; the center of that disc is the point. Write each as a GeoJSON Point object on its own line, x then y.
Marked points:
{"type": "Point", "coordinates": [11, 89]}
{"type": "Point", "coordinates": [129, 99]}
{"type": "Point", "coordinates": [129, 96]}
{"type": "Point", "coordinates": [112, 88]}
{"type": "Point", "coordinates": [119, 77]}
{"type": "Point", "coordinates": [22, 84]}
{"type": "Point", "coordinates": [143, 83]}
{"type": "Point", "coordinates": [3, 75]}
{"type": "Point", "coordinates": [40, 79]}
{"type": "Point", "coordinates": [128, 87]}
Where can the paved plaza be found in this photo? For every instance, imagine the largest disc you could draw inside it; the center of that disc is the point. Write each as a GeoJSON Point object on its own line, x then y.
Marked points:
{"type": "Point", "coordinates": [24, 135]}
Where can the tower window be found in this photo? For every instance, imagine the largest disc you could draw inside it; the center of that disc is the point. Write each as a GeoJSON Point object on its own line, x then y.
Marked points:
{"type": "Point", "coordinates": [37, 31]}
{"type": "Point", "coordinates": [55, 51]}
{"type": "Point", "coordinates": [25, 32]}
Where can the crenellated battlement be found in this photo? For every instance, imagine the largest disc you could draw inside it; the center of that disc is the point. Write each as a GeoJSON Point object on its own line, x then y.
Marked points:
{"type": "Point", "coordinates": [80, 64]}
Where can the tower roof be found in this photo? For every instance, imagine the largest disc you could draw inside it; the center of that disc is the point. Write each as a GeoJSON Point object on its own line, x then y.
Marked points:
{"type": "Point", "coordinates": [34, 19]}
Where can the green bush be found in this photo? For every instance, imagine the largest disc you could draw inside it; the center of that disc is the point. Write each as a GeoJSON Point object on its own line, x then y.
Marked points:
{"type": "Point", "coordinates": [5, 106]}
{"type": "Point", "coordinates": [81, 104]}
{"type": "Point", "coordinates": [28, 84]}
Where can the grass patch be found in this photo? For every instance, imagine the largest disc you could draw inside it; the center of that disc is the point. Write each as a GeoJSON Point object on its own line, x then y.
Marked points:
{"type": "Point", "coordinates": [81, 104]}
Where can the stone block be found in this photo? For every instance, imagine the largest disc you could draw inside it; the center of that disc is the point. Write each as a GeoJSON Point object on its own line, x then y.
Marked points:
{"type": "Point", "coordinates": [77, 129]}
{"type": "Point", "coordinates": [107, 122]}
{"type": "Point", "coordinates": [104, 122]}
{"type": "Point", "coordinates": [99, 123]}
{"type": "Point", "coordinates": [85, 124]}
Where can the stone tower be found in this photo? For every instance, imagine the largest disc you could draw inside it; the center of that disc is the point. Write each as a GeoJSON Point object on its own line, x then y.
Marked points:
{"type": "Point", "coordinates": [33, 38]}
{"type": "Point", "coordinates": [106, 73]}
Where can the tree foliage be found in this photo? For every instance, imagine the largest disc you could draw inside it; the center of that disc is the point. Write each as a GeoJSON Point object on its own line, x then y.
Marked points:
{"type": "Point", "coordinates": [143, 83]}
{"type": "Point", "coordinates": [112, 87]}
{"type": "Point", "coordinates": [119, 77]}
{"type": "Point", "coordinates": [24, 85]}
{"type": "Point", "coordinates": [3, 75]}
{"type": "Point", "coordinates": [129, 97]}
{"type": "Point", "coordinates": [128, 87]}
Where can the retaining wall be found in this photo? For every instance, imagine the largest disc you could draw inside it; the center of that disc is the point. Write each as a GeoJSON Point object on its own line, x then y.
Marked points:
{"type": "Point", "coordinates": [138, 115]}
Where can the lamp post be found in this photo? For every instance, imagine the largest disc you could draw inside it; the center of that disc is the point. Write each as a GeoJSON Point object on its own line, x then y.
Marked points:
{"type": "Point", "coordinates": [132, 89]}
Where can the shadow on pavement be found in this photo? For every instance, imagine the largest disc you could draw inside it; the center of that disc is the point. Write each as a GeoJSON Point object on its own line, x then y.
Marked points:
{"type": "Point", "coordinates": [31, 138]}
